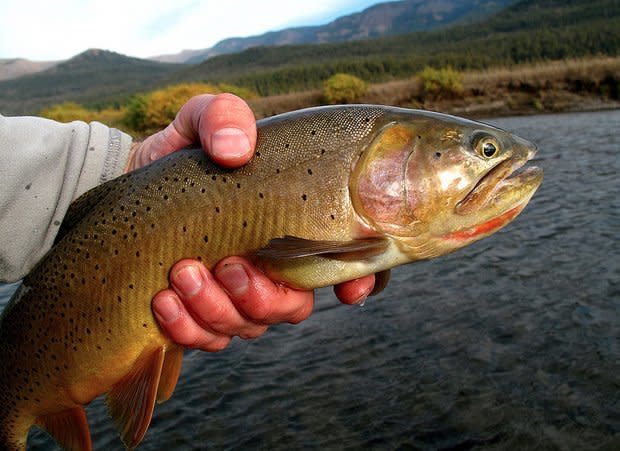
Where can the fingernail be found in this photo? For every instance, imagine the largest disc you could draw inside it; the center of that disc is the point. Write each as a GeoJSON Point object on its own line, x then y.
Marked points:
{"type": "Point", "coordinates": [188, 280]}
{"type": "Point", "coordinates": [166, 309]}
{"type": "Point", "coordinates": [234, 278]}
{"type": "Point", "coordinates": [229, 142]}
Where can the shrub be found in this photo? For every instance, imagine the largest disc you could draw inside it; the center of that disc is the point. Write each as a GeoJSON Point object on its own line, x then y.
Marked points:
{"type": "Point", "coordinates": [148, 113]}
{"type": "Point", "coordinates": [69, 111]}
{"type": "Point", "coordinates": [343, 88]}
{"type": "Point", "coordinates": [244, 93]}
{"type": "Point", "coordinates": [444, 83]}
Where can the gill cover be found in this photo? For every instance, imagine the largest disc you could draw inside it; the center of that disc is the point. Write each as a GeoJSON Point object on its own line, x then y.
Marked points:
{"type": "Point", "coordinates": [379, 188]}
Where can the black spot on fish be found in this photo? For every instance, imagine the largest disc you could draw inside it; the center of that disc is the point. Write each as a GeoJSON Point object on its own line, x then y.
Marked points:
{"type": "Point", "coordinates": [261, 195]}
{"type": "Point", "coordinates": [28, 186]}
{"type": "Point", "coordinates": [304, 197]}
{"type": "Point", "coordinates": [206, 238]}
{"type": "Point", "coordinates": [309, 171]}
{"type": "Point", "coordinates": [217, 209]}
{"type": "Point", "coordinates": [437, 155]}
{"type": "Point", "coordinates": [245, 223]}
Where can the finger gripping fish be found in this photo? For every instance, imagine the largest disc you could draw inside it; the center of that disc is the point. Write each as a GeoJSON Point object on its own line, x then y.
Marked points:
{"type": "Point", "coordinates": [332, 194]}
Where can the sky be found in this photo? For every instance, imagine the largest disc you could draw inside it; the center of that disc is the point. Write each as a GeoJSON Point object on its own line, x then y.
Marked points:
{"type": "Point", "coordinates": [45, 30]}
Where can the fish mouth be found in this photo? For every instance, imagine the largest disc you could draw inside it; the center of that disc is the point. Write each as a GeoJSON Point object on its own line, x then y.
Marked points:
{"type": "Point", "coordinates": [504, 187]}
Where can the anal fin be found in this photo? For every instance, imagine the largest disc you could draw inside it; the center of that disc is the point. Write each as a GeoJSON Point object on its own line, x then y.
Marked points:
{"type": "Point", "coordinates": [69, 428]}
{"type": "Point", "coordinates": [132, 399]}
{"type": "Point", "coordinates": [170, 372]}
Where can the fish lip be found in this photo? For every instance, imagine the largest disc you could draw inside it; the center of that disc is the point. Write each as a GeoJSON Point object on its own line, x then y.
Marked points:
{"type": "Point", "coordinates": [511, 171]}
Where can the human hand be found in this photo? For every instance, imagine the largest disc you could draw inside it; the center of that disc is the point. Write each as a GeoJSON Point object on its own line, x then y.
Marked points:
{"type": "Point", "coordinates": [204, 309]}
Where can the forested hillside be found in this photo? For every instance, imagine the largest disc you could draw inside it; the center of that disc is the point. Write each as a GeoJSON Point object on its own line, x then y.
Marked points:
{"type": "Point", "coordinates": [531, 30]}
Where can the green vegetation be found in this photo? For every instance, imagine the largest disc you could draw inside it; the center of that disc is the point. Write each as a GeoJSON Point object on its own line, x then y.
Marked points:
{"type": "Point", "coordinates": [527, 32]}
{"type": "Point", "coordinates": [441, 83]}
{"type": "Point", "coordinates": [69, 111]}
{"type": "Point", "coordinates": [144, 113]}
{"type": "Point", "coordinates": [147, 113]}
{"type": "Point", "coordinates": [343, 88]}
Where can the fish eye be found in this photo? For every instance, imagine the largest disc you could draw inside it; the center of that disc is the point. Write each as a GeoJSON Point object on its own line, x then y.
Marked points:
{"type": "Point", "coordinates": [488, 147]}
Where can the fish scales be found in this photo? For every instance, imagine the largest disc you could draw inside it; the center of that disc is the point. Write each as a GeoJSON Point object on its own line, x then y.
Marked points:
{"type": "Point", "coordinates": [81, 324]}
{"type": "Point", "coordinates": [92, 294]}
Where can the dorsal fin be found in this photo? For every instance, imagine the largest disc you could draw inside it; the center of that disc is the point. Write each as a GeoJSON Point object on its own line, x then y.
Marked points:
{"type": "Point", "coordinates": [132, 399]}
{"type": "Point", "coordinates": [170, 372]}
{"type": "Point", "coordinates": [69, 428]}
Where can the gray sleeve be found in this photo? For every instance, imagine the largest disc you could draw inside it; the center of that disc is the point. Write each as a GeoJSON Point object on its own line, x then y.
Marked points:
{"type": "Point", "coordinates": [44, 166]}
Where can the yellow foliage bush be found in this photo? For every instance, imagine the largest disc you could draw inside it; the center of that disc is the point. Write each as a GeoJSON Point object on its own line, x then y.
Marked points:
{"type": "Point", "coordinates": [444, 83]}
{"type": "Point", "coordinates": [150, 112]}
{"type": "Point", "coordinates": [343, 88]}
{"type": "Point", "coordinates": [69, 111]}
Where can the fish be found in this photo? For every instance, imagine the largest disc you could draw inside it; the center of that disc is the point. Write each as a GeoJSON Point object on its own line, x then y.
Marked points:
{"type": "Point", "coordinates": [332, 194]}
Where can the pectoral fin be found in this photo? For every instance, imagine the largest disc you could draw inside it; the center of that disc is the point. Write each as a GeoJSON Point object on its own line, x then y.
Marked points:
{"type": "Point", "coordinates": [132, 399]}
{"type": "Point", "coordinates": [295, 247]}
{"type": "Point", "coordinates": [69, 428]}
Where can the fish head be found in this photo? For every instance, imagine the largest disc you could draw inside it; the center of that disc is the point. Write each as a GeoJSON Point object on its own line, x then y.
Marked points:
{"type": "Point", "coordinates": [435, 183]}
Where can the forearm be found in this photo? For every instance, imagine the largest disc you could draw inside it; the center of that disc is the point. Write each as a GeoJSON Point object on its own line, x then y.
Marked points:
{"type": "Point", "coordinates": [45, 165]}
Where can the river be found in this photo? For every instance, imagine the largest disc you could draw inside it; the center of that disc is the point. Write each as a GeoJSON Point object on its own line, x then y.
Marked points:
{"type": "Point", "coordinates": [512, 343]}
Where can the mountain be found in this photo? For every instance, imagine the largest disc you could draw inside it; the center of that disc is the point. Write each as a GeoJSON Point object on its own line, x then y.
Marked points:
{"type": "Point", "coordinates": [383, 19]}
{"type": "Point", "coordinates": [524, 32]}
{"type": "Point", "coordinates": [87, 77]}
{"type": "Point", "coordinates": [16, 67]}
{"type": "Point", "coordinates": [527, 31]}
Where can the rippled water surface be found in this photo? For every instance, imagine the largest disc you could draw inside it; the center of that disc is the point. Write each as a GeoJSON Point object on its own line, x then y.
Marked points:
{"type": "Point", "coordinates": [512, 343]}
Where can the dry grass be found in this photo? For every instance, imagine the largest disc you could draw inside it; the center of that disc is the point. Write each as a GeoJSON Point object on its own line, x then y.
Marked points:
{"type": "Point", "coordinates": [552, 86]}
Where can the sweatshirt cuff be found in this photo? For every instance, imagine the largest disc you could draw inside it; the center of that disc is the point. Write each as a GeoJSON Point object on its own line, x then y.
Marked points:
{"type": "Point", "coordinates": [106, 156]}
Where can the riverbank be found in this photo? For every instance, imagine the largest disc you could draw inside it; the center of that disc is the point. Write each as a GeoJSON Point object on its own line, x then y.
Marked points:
{"type": "Point", "coordinates": [556, 86]}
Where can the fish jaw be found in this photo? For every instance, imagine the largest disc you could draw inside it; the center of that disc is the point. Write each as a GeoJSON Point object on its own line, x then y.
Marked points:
{"type": "Point", "coordinates": [498, 197]}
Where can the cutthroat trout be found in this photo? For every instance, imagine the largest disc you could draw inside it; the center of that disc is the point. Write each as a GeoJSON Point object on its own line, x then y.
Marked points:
{"type": "Point", "coordinates": [332, 194]}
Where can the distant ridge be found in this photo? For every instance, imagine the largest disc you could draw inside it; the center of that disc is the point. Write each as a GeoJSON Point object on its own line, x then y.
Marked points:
{"type": "Point", "coordinates": [382, 19]}
{"type": "Point", "coordinates": [93, 74]}
{"type": "Point", "coordinates": [16, 67]}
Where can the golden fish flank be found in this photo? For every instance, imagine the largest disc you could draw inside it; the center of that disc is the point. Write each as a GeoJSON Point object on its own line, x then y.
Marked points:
{"type": "Point", "coordinates": [333, 193]}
